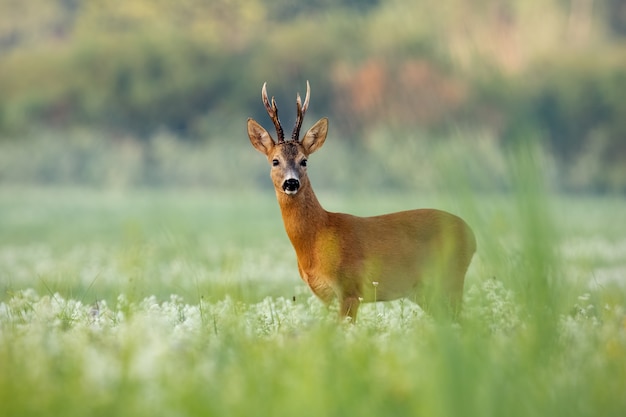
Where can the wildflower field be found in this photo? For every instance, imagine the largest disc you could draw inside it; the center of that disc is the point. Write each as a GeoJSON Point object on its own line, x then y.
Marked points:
{"type": "Point", "coordinates": [184, 303]}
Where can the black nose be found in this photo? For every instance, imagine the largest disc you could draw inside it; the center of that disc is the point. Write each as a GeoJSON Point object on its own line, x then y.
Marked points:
{"type": "Point", "coordinates": [291, 185]}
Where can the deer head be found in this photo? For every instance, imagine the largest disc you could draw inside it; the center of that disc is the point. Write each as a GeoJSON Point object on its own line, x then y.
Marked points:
{"type": "Point", "coordinates": [288, 159]}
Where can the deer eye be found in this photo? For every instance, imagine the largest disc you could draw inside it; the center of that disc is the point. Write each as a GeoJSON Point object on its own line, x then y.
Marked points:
{"type": "Point", "coordinates": [275, 162]}
{"type": "Point", "coordinates": [303, 163]}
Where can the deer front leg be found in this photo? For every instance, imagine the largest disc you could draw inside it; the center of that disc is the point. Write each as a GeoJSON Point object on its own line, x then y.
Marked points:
{"type": "Point", "coordinates": [349, 307]}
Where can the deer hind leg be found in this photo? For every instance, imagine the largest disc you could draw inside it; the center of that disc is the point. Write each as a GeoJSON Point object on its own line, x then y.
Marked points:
{"type": "Point", "coordinates": [454, 299]}
{"type": "Point", "coordinates": [349, 307]}
{"type": "Point", "coordinates": [441, 293]}
{"type": "Point", "coordinates": [457, 276]}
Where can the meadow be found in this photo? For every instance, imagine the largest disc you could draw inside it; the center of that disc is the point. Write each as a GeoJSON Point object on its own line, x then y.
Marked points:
{"type": "Point", "coordinates": [166, 302]}
{"type": "Point", "coordinates": [144, 268]}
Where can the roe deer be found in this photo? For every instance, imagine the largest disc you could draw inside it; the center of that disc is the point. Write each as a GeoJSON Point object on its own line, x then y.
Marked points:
{"type": "Point", "coordinates": [423, 254]}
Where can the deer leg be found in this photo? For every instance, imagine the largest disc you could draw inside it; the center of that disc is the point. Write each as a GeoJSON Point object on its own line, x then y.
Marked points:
{"type": "Point", "coordinates": [349, 307]}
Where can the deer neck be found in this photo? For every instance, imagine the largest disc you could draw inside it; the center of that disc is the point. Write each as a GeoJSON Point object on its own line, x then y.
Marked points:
{"type": "Point", "coordinates": [304, 218]}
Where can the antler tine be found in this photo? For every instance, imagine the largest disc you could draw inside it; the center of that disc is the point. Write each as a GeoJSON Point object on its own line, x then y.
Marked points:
{"type": "Point", "coordinates": [301, 111]}
{"type": "Point", "coordinates": [272, 110]}
{"type": "Point", "coordinates": [306, 98]}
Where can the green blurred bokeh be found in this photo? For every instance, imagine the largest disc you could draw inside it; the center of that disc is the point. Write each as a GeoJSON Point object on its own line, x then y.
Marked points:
{"type": "Point", "coordinates": [92, 90]}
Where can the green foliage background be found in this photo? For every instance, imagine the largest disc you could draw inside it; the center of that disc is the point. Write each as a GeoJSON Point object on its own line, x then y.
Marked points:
{"type": "Point", "coordinates": [552, 71]}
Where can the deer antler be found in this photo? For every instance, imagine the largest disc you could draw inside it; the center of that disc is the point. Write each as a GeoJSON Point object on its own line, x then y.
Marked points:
{"type": "Point", "coordinates": [301, 111]}
{"type": "Point", "coordinates": [273, 112]}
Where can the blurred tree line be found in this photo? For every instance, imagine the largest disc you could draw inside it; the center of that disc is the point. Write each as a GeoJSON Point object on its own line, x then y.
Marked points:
{"type": "Point", "coordinates": [554, 70]}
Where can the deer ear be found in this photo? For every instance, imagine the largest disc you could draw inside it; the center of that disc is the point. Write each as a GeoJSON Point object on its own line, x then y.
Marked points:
{"type": "Point", "coordinates": [315, 136]}
{"type": "Point", "coordinates": [259, 137]}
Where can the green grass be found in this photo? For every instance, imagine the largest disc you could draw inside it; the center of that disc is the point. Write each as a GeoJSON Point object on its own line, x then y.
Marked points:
{"type": "Point", "coordinates": [89, 324]}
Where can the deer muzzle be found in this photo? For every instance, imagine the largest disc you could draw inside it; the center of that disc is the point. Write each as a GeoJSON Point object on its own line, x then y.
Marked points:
{"type": "Point", "coordinates": [291, 186]}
